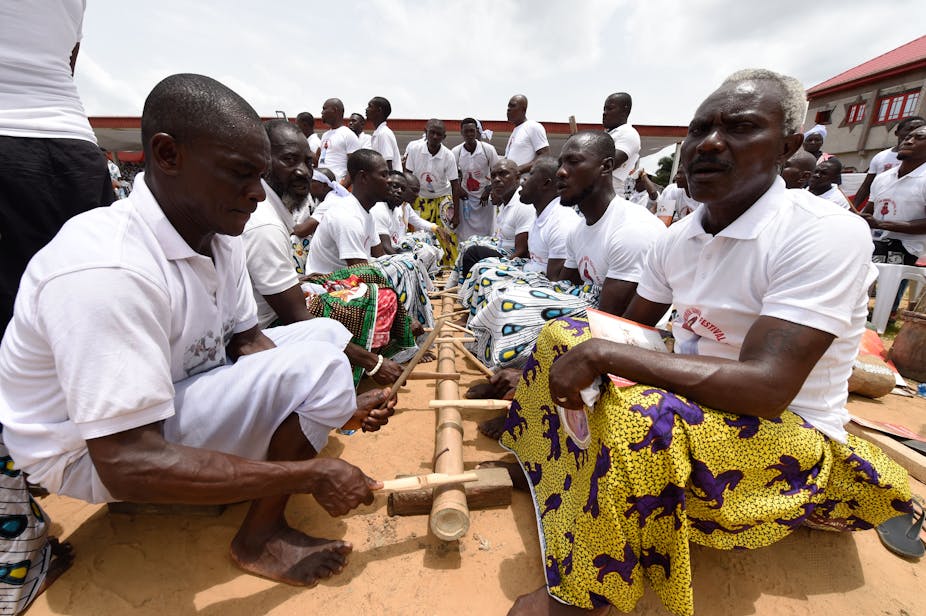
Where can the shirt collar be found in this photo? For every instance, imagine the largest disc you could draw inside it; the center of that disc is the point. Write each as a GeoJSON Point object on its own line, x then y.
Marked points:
{"type": "Point", "coordinates": [173, 245]}
{"type": "Point", "coordinates": [286, 217]}
{"type": "Point", "coordinates": [515, 197]}
{"type": "Point", "coordinates": [751, 222]}
{"type": "Point", "coordinates": [548, 211]}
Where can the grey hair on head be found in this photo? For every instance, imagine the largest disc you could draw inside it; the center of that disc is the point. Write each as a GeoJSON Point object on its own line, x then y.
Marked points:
{"type": "Point", "coordinates": [793, 97]}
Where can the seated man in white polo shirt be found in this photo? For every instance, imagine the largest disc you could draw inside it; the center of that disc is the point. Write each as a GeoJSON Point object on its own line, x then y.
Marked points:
{"type": "Point", "coordinates": [770, 286]}
{"type": "Point", "coordinates": [279, 297]}
{"type": "Point", "coordinates": [825, 180]}
{"type": "Point", "coordinates": [135, 369]}
{"type": "Point", "coordinates": [513, 221]}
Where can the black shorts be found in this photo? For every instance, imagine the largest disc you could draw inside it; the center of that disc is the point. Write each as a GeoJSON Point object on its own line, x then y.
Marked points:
{"type": "Point", "coordinates": [892, 251]}
{"type": "Point", "coordinates": [43, 183]}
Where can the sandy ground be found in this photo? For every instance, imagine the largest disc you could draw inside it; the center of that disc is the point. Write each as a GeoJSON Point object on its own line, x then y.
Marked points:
{"type": "Point", "coordinates": [178, 564]}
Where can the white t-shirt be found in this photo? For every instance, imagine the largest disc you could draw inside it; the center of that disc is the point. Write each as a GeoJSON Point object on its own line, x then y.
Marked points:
{"type": "Point", "coordinates": [901, 199]}
{"type": "Point", "coordinates": [314, 143]}
{"type": "Point", "coordinates": [627, 140]}
{"type": "Point", "coordinates": [383, 141]}
{"type": "Point", "coordinates": [526, 138]}
{"type": "Point", "coordinates": [330, 200]}
{"type": "Point", "coordinates": [365, 141]}
{"type": "Point", "coordinates": [346, 232]}
{"type": "Point", "coordinates": [836, 196]}
{"type": "Point", "coordinates": [98, 339]}
{"type": "Point", "coordinates": [547, 237]}
{"type": "Point", "coordinates": [791, 256]}
{"type": "Point", "coordinates": [38, 96]}
{"type": "Point", "coordinates": [433, 172]}
{"type": "Point", "coordinates": [615, 245]}
{"type": "Point", "coordinates": [675, 202]}
{"type": "Point", "coordinates": [336, 145]}
{"type": "Point", "coordinates": [475, 167]}
{"type": "Point", "coordinates": [270, 253]}
{"type": "Point", "coordinates": [512, 219]}
{"type": "Point", "coordinates": [388, 222]}
{"type": "Point", "coordinates": [882, 161]}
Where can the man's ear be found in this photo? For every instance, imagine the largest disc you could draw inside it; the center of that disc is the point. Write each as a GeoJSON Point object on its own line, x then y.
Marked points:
{"type": "Point", "coordinates": [792, 144]}
{"type": "Point", "coordinates": [607, 165]}
{"type": "Point", "coordinates": [165, 154]}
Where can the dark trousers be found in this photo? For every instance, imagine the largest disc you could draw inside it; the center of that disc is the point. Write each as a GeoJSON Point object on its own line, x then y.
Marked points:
{"type": "Point", "coordinates": [472, 256]}
{"type": "Point", "coordinates": [43, 183]}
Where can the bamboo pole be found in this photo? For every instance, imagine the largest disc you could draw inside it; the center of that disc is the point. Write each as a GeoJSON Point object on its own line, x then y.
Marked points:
{"type": "Point", "coordinates": [486, 405]}
{"type": "Point", "coordinates": [431, 480]}
{"type": "Point", "coordinates": [459, 328]}
{"type": "Point", "coordinates": [449, 512]}
{"type": "Point", "coordinates": [424, 375]}
{"type": "Point", "coordinates": [452, 339]}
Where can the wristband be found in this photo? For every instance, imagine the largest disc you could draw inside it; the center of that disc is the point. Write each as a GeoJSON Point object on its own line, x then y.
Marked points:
{"type": "Point", "coordinates": [379, 364]}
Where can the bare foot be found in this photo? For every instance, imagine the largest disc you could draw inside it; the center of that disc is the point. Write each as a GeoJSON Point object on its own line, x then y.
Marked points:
{"type": "Point", "coordinates": [493, 428]}
{"type": "Point", "coordinates": [62, 557]}
{"type": "Point", "coordinates": [417, 327]}
{"type": "Point", "coordinates": [481, 391]}
{"type": "Point", "coordinates": [540, 603]}
{"type": "Point", "coordinates": [292, 557]}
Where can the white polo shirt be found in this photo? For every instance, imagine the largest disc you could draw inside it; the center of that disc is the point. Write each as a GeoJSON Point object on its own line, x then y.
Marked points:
{"type": "Point", "coordinates": [433, 172]}
{"type": "Point", "coordinates": [882, 161]}
{"type": "Point", "coordinates": [383, 141]}
{"type": "Point", "coordinates": [674, 201]}
{"type": "Point", "coordinates": [336, 145]}
{"type": "Point", "coordinates": [547, 236]}
{"type": "Point", "coordinates": [98, 339]}
{"type": "Point", "coordinates": [315, 143]}
{"type": "Point", "coordinates": [615, 245]}
{"type": "Point", "coordinates": [346, 232]}
{"type": "Point", "coordinates": [627, 140]}
{"type": "Point", "coordinates": [271, 264]}
{"type": "Point", "coordinates": [526, 138]}
{"type": "Point", "coordinates": [791, 256]}
{"type": "Point", "coordinates": [901, 199]}
{"type": "Point", "coordinates": [835, 195]}
{"type": "Point", "coordinates": [513, 218]}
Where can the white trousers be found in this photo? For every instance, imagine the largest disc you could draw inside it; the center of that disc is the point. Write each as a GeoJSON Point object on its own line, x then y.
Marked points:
{"type": "Point", "coordinates": [236, 408]}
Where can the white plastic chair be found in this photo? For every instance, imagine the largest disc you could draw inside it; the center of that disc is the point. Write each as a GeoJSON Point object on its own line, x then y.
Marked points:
{"type": "Point", "coordinates": [889, 277]}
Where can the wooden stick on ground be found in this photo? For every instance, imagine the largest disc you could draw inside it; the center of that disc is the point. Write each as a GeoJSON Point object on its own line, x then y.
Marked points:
{"type": "Point", "coordinates": [428, 481]}
{"type": "Point", "coordinates": [489, 405]}
{"type": "Point", "coordinates": [417, 358]}
{"type": "Point", "coordinates": [444, 315]}
{"type": "Point", "coordinates": [469, 355]}
{"type": "Point", "coordinates": [454, 340]}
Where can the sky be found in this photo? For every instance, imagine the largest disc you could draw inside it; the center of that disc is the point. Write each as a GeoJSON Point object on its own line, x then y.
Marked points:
{"type": "Point", "coordinates": [441, 58]}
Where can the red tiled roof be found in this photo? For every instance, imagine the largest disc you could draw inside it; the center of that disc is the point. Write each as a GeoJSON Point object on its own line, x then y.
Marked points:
{"type": "Point", "coordinates": [904, 58]}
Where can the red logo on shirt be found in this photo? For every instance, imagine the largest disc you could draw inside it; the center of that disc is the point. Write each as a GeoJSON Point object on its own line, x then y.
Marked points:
{"type": "Point", "coordinates": [693, 317]}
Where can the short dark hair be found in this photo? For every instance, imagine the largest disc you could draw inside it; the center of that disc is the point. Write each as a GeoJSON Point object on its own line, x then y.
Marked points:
{"type": "Point", "coordinates": [362, 160]}
{"type": "Point", "coordinates": [383, 104]}
{"type": "Point", "coordinates": [832, 160]}
{"type": "Point", "coordinates": [279, 125]}
{"type": "Point", "coordinates": [187, 105]}
{"type": "Point", "coordinates": [598, 142]}
{"type": "Point", "coordinates": [468, 121]}
{"type": "Point", "coordinates": [903, 123]}
{"type": "Point", "coordinates": [307, 118]}
{"type": "Point", "coordinates": [546, 165]}
{"type": "Point", "coordinates": [397, 172]}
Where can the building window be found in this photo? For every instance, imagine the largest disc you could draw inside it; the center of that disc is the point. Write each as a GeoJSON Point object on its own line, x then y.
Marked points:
{"type": "Point", "coordinates": [823, 117]}
{"type": "Point", "coordinates": [896, 106]}
{"type": "Point", "coordinates": [855, 113]}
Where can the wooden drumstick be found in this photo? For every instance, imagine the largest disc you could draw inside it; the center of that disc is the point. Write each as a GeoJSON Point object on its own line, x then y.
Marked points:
{"type": "Point", "coordinates": [432, 336]}
{"type": "Point", "coordinates": [469, 355]}
{"type": "Point", "coordinates": [427, 481]}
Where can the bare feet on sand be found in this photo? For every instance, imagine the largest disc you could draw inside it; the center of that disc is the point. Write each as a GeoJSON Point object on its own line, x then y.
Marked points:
{"type": "Point", "coordinates": [62, 557]}
{"type": "Point", "coordinates": [540, 603]}
{"type": "Point", "coordinates": [292, 557]}
{"type": "Point", "coordinates": [493, 428]}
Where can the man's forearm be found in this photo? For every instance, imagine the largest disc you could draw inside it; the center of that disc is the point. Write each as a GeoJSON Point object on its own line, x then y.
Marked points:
{"type": "Point", "coordinates": [359, 356]}
{"type": "Point", "coordinates": [150, 470]}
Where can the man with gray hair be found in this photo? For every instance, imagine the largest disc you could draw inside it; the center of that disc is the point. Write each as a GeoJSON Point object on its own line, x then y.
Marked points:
{"type": "Point", "coordinates": [738, 438]}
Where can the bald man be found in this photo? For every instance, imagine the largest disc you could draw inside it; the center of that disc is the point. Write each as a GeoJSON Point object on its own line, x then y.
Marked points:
{"type": "Point", "coordinates": [338, 141]}
{"type": "Point", "coordinates": [626, 138]}
{"type": "Point", "coordinates": [796, 171]}
{"type": "Point", "coordinates": [528, 140]}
